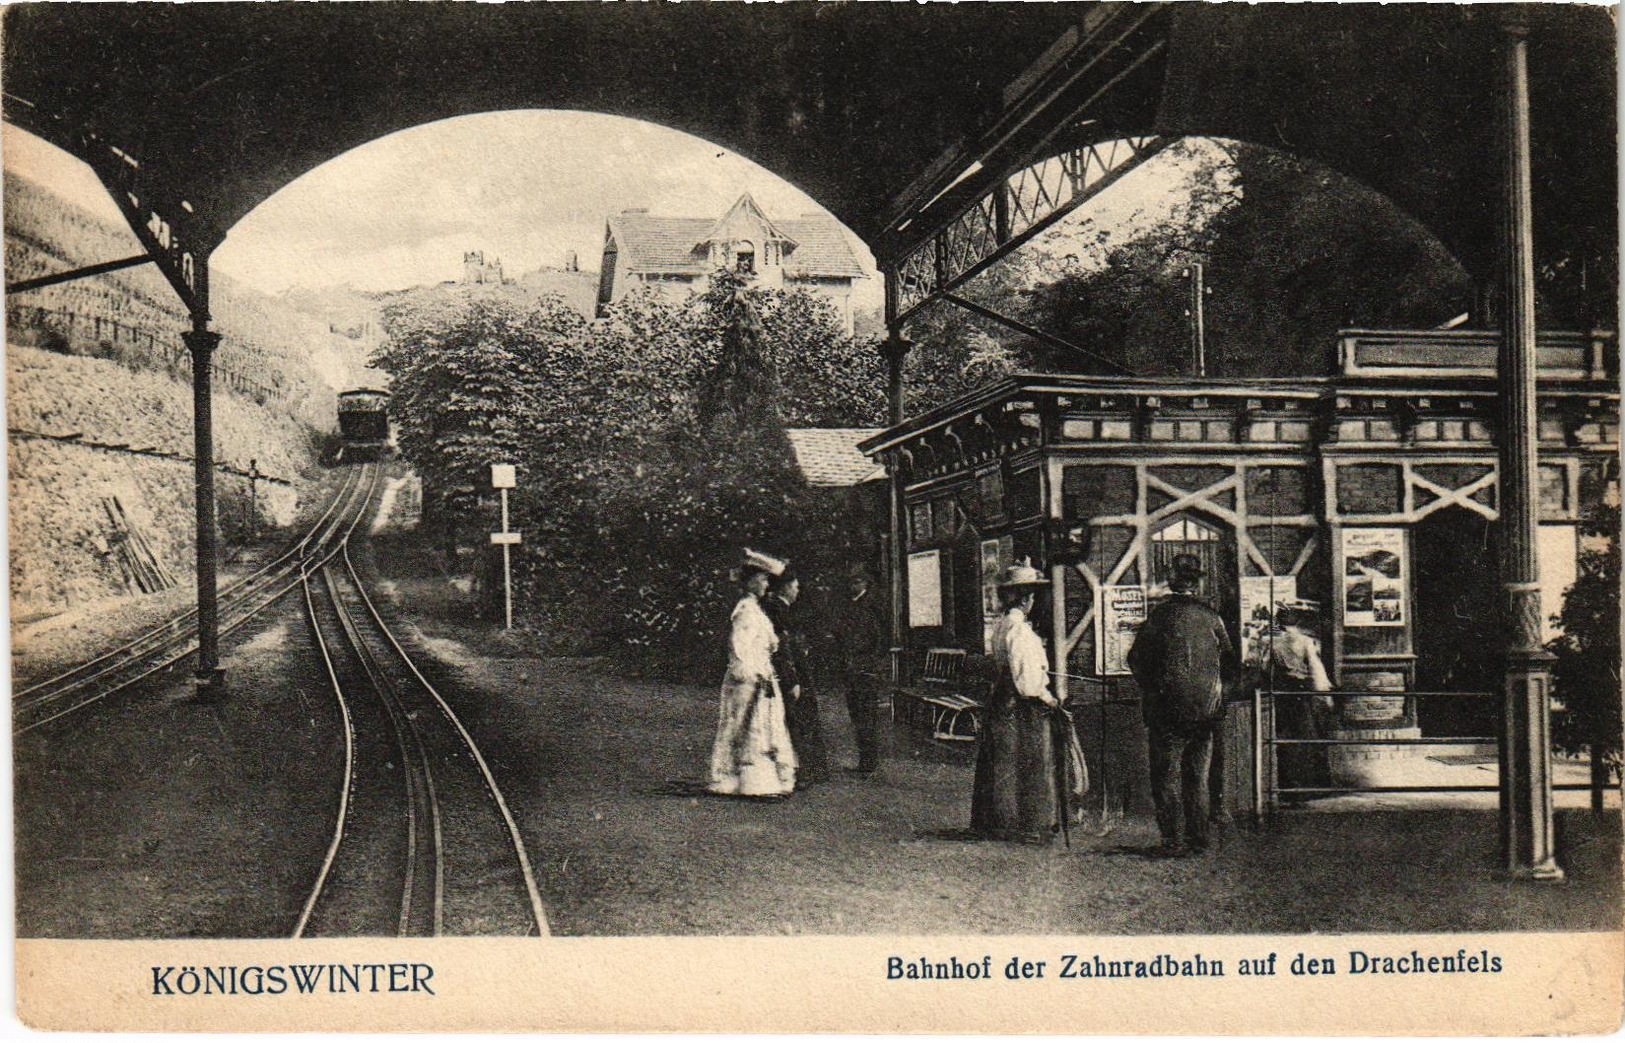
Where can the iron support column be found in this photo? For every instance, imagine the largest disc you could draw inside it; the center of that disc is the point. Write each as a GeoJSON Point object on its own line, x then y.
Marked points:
{"type": "Point", "coordinates": [210, 679]}
{"type": "Point", "coordinates": [895, 350]}
{"type": "Point", "coordinates": [1526, 750]}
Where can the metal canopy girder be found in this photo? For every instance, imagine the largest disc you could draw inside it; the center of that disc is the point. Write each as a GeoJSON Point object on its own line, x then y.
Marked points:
{"type": "Point", "coordinates": [869, 108]}
{"type": "Point", "coordinates": [1013, 211]}
{"type": "Point", "coordinates": [1034, 332]}
{"type": "Point", "coordinates": [1400, 97]}
{"type": "Point", "coordinates": [75, 274]}
{"type": "Point", "coordinates": [1117, 49]}
{"type": "Point", "coordinates": [177, 238]}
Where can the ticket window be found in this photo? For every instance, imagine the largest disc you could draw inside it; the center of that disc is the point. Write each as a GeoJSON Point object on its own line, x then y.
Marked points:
{"type": "Point", "coordinates": [1214, 547]}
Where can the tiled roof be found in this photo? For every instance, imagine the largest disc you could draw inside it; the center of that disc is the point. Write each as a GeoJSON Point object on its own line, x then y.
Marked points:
{"type": "Point", "coordinates": [829, 457]}
{"type": "Point", "coordinates": [648, 243]}
{"type": "Point", "coordinates": [824, 251]}
{"type": "Point", "coordinates": [660, 244]}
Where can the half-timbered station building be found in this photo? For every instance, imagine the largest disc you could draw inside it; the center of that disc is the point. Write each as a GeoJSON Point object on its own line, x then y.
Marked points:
{"type": "Point", "coordinates": [1370, 495]}
{"type": "Point", "coordinates": [676, 255]}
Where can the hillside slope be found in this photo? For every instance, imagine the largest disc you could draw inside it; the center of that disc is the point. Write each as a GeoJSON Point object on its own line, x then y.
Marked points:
{"type": "Point", "coordinates": [62, 540]}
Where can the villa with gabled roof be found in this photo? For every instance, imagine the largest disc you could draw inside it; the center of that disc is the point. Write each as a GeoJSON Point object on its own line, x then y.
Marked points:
{"type": "Point", "coordinates": [676, 255]}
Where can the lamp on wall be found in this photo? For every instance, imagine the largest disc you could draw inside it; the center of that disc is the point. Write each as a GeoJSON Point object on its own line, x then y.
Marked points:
{"type": "Point", "coordinates": [1068, 541]}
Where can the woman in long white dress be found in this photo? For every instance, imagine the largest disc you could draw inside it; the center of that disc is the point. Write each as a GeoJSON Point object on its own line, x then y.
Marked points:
{"type": "Point", "coordinates": [752, 755]}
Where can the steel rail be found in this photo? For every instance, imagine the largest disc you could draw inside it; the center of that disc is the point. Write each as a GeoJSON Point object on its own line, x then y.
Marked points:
{"type": "Point", "coordinates": [397, 711]}
{"type": "Point", "coordinates": [240, 611]}
{"type": "Point", "coordinates": [170, 628]}
{"type": "Point", "coordinates": [419, 783]}
{"type": "Point", "coordinates": [341, 818]}
{"type": "Point", "coordinates": [538, 914]}
{"type": "Point", "coordinates": [180, 646]}
{"type": "Point", "coordinates": [349, 768]}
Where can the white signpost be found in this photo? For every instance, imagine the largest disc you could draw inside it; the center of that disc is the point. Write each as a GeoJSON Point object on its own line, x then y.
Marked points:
{"type": "Point", "coordinates": [502, 479]}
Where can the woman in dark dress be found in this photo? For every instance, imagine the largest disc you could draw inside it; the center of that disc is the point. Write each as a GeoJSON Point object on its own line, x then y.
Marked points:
{"type": "Point", "coordinates": [792, 663]}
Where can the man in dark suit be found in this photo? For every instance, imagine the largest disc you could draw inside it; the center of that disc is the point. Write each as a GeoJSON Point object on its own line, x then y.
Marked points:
{"type": "Point", "coordinates": [860, 647]}
{"type": "Point", "coordinates": [1183, 661]}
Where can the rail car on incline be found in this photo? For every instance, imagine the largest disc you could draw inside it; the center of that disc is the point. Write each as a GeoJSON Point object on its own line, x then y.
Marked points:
{"type": "Point", "coordinates": [364, 424]}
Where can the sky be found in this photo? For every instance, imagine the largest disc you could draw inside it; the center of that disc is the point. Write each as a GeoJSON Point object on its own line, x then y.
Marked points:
{"type": "Point", "coordinates": [527, 187]}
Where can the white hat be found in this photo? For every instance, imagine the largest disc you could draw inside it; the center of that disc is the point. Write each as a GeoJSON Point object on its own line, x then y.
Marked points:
{"type": "Point", "coordinates": [1022, 575]}
{"type": "Point", "coordinates": [756, 561]}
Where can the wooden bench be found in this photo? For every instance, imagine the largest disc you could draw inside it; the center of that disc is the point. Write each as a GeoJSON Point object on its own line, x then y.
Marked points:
{"type": "Point", "coordinates": [936, 700]}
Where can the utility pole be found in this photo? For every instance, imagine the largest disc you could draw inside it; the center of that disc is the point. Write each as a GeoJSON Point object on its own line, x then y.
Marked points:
{"type": "Point", "coordinates": [1193, 311]}
{"type": "Point", "coordinates": [253, 500]}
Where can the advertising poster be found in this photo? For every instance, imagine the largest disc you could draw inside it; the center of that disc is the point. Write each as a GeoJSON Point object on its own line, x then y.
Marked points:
{"type": "Point", "coordinates": [1259, 597]}
{"type": "Point", "coordinates": [995, 553]}
{"type": "Point", "coordinates": [925, 589]}
{"type": "Point", "coordinates": [1122, 610]}
{"type": "Point", "coordinates": [1373, 577]}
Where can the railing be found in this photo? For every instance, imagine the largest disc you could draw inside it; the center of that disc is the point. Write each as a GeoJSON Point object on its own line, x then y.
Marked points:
{"type": "Point", "coordinates": [1267, 791]}
{"type": "Point", "coordinates": [168, 351]}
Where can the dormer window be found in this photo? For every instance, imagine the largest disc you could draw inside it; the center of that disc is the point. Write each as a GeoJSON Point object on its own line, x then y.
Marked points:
{"type": "Point", "coordinates": [745, 257]}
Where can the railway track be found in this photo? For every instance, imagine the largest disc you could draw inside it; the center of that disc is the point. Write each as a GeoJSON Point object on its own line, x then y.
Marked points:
{"type": "Point", "coordinates": [423, 842]}
{"type": "Point", "coordinates": [172, 641]}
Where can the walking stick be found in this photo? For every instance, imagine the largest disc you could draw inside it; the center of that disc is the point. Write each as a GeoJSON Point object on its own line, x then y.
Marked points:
{"type": "Point", "coordinates": [1062, 755]}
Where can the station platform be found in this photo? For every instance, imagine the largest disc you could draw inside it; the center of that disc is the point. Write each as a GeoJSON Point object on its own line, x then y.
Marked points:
{"type": "Point", "coordinates": [159, 818]}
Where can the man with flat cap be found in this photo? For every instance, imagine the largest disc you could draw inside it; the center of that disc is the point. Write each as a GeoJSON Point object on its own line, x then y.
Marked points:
{"type": "Point", "coordinates": [1183, 661]}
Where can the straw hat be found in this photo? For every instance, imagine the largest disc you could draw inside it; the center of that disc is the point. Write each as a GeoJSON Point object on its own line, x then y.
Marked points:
{"type": "Point", "coordinates": [1022, 575]}
{"type": "Point", "coordinates": [756, 561]}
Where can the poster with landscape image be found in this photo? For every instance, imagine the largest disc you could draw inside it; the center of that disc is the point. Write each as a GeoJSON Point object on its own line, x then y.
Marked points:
{"type": "Point", "coordinates": [1373, 577]}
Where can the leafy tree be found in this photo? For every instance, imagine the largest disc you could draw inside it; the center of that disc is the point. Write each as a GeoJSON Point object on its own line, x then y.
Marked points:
{"type": "Point", "coordinates": [1292, 254]}
{"type": "Point", "coordinates": [482, 377]}
{"type": "Point", "coordinates": [727, 479]}
{"type": "Point", "coordinates": [650, 444]}
{"type": "Point", "coordinates": [826, 379]}
{"type": "Point", "coordinates": [1586, 674]}
{"type": "Point", "coordinates": [742, 389]}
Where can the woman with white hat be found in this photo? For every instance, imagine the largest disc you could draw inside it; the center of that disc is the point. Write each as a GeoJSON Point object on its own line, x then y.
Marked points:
{"type": "Point", "coordinates": [752, 756]}
{"type": "Point", "coordinates": [1015, 797]}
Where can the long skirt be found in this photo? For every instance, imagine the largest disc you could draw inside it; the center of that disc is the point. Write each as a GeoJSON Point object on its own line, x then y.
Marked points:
{"type": "Point", "coordinates": [1014, 797]}
{"type": "Point", "coordinates": [752, 755]}
{"type": "Point", "coordinates": [1298, 717]}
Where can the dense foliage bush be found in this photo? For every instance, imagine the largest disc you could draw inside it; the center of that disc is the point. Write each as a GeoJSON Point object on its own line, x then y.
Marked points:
{"type": "Point", "coordinates": [1586, 674]}
{"type": "Point", "coordinates": [650, 446]}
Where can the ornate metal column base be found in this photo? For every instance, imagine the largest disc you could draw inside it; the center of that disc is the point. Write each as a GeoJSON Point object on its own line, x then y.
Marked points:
{"type": "Point", "coordinates": [209, 682]}
{"type": "Point", "coordinates": [1527, 844]}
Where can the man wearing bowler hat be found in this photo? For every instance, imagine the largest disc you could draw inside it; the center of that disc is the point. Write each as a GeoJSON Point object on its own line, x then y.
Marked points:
{"type": "Point", "coordinates": [858, 640]}
{"type": "Point", "coordinates": [1183, 660]}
